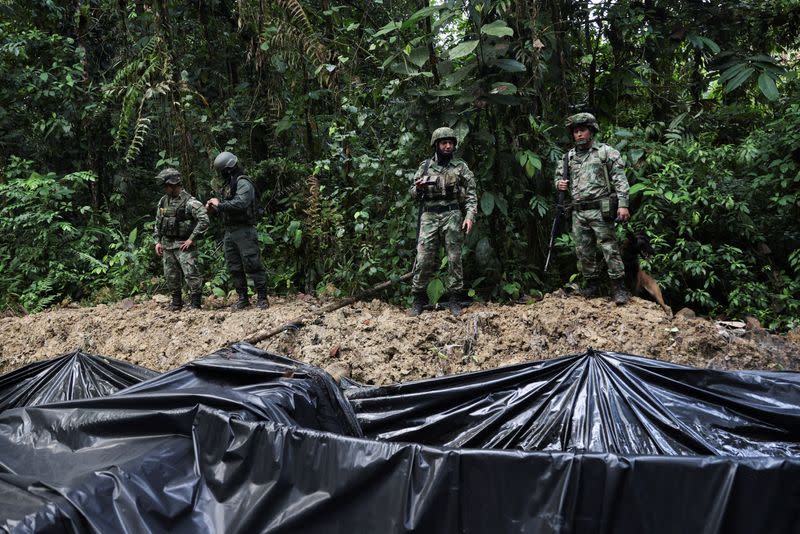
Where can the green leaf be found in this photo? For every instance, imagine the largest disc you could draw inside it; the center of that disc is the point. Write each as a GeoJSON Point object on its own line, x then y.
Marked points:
{"type": "Point", "coordinates": [498, 28]}
{"type": "Point", "coordinates": [435, 290]}
{"type": "Point", "coordinates": [739, 79]}
{"type": "Point", "coordinates": [421, 14]}
{"type": "Point", "coordinates": [419, 55]}
{"type": "Point", "coordinates": [487, 203]}
{"type": "Point", "coordinates": [457, 76]}
{"type": "Point", "coordinates": [392, 26]}
{"type": "Point", "coordinates": [635, 154]}
{"type": "Point", "coordinates": [444, 92]}
{"type": "Point", "coordinates": [510, 65]}
{"type": "Point", "coordinates": [503, 88]}
{"type": "Point", "coordinates": [635, 188]}
{"type": "Point", "coordinates": [462, 49]}
{"type": "Point", "coordinates": [767, 86]}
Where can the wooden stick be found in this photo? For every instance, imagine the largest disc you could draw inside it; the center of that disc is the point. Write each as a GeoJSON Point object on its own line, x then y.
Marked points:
{"type": "Point", "coordinates": [300, 321]}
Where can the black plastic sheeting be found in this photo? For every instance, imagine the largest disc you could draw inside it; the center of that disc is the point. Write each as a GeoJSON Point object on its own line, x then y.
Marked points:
{"type": "Point", "coordinates": [244, 441]}
{"type": "Point", "coordinates": [75, 375]}
{"type": "Point", "coordinates": [594, 402]}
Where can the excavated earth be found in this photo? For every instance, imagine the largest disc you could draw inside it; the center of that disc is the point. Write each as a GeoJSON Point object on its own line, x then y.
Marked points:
{"type": "Point", "coordinates": [376, 343]}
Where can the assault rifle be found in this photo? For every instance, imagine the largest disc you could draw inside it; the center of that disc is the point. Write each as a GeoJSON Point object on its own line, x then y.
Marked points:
{"type": "Point", "coordinates": [560, 211]}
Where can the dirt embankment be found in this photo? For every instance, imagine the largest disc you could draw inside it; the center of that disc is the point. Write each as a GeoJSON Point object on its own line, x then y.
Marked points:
{"type": "Point", "coordinates": [378, 344]}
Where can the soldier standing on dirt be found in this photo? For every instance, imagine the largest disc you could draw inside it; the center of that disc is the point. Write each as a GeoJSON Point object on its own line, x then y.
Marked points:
{"type": "Point", "coordinates": [443, 185]}
{"type": "Point", "coordinates": [180, 221]}
{"type": "Point", "coordinates": [238, 212]}
{"type": "Point", "coordinates": [596, 171]}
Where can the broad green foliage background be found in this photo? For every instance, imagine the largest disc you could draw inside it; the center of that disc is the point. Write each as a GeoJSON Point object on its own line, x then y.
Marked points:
{"type": "Point", "coordinates": [330, 105]}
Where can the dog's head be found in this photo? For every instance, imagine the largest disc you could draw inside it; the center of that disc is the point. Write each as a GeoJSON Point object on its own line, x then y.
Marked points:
{"type": "Point", "coordinates": [638, 243]}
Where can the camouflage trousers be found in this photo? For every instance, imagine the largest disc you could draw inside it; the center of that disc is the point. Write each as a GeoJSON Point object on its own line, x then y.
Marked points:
{"type": "Point", "coordinates": [180, 264]}
{"type": "Point", "coordinates": [433, 228]}
{"type": "Point", "coordinates": [243, 257]}
{"type": "Point", "coordinates": [590, 232]}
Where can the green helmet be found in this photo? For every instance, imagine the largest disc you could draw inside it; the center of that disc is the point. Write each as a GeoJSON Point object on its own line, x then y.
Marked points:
{"type": "Point", "coordinates": [586, 119]}
{"type": "Point", "coordinates": [169, 176]}
{"type": "Point", "coordinates": [443, 133]}
{"type": "Point", "coordinates": [225, 160]}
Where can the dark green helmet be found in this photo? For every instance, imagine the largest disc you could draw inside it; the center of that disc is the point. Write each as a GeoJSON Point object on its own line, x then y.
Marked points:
{"type": "Point", "coordinates": [225, 160]}
{"type": "Point", "coordinates": [443, 133]}
{"type": "Point", "coordinates": [585, 119]}
{"type": "Point", "coordinates": [169, 176]}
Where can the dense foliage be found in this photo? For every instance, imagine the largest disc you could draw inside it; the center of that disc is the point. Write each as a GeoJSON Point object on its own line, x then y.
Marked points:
{"type": "Point", "coordinates": [330, 105]}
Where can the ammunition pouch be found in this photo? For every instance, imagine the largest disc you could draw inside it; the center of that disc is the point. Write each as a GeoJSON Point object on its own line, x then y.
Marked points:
{"type": "Point", "coordinates": [175, 224]}
{"type": "Point", "coordinates": [444, 186]}
{"type": "Point", "coordinates": [607, 205]}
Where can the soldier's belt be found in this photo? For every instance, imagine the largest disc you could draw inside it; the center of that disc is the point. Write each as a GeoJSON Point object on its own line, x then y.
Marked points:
{"type": "Point", "coordinates": [440, 209]}
{"type": "Point", "coordinates": [588, 205]}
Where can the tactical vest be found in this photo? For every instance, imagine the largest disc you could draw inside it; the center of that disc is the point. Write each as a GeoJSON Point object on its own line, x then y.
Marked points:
{"type": "Point", "coordinates": [175, 222]}
{"type": "Point", "coordinates": [445, 185]}
{"type": "Point", "coordinates": [239, 218]}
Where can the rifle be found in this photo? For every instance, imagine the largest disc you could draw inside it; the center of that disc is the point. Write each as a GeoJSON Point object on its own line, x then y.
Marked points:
{"type": "Point", "coordinates": [560, 210]}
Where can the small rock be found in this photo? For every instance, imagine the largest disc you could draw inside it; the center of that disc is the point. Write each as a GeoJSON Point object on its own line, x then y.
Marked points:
{"type": "Point", "coordinates": [686, 313]}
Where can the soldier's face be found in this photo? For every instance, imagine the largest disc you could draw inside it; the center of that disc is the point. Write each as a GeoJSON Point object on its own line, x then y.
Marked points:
{"type": "Point", "coordinates": [582, 134]}
{"type": "Point", "coordinates": [446, 146]}
{"type": "Point", "coordinates": [172, 190]}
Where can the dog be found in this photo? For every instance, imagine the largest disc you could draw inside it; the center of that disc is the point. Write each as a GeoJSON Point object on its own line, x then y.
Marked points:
{"type": "Point", "coordinates": [636, 279]}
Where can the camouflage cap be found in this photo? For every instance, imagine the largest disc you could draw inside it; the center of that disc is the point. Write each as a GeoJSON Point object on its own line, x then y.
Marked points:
{"type": "Point", "coordinates": [442, 133]}
{"type": "Point", "coordinates": [169, 176]}
{"type": "Point", "coordinates": [585, 119]}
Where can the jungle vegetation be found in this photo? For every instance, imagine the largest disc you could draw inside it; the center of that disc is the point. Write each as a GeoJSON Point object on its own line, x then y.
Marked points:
{"type": "Point", "coordinates": [329, 105]}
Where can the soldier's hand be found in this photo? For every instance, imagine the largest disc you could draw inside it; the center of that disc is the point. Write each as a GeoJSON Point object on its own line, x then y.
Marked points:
{"type": "Point", "coordinates": [186, 244]}
{"type": "Point", "coordinates": [562, 185]}
{"type": "Point", "coordinates": [159, 249]}
{"type": "Point", "coordinates": [418, 183]}
{"type": "Point", "coordinates": [467, 225]}
{"type": "Point", "coordinates": [623, 215]}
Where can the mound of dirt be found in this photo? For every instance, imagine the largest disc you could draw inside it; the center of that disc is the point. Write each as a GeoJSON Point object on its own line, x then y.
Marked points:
{"type": "Point", "coordinates": [377, 344]}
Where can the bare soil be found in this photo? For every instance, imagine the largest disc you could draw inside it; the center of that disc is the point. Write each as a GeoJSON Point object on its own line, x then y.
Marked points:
{"type": "Point", "coordinates": [378, 344]}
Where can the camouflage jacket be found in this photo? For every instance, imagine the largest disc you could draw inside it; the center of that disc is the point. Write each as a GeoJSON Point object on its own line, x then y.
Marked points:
{"type": "Point", "coordinates": [587, 178]}
{"type": "Point", "coordinates": [452, 182]}
{"type": "Point", "coordinates": [178, 219]}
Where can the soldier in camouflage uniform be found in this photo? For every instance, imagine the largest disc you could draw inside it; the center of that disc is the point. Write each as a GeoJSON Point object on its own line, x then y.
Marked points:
{"type": "Point", "coordinates": [180, 221]}
{"type": "Point", "coordinates": [444, 186]}
{"type": "Point", "coordinates": [238, 212]}
{"type": "Point", "coordinates": [596, 170]}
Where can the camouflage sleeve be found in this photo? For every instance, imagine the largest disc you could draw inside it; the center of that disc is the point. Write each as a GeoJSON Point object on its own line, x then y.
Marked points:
{"type": "Point", "coordinates": [413, 189]}
{"type": "Point", "coordinates": [471, 202]}
{"type": "Point", "coordinates": [245, 195]}
{"type": "Point", "coordinates": [616, 174]}
{"type": "Point", "coordinates": [157, 228]}
{"type": "Point", "coordinates": [198, 212]}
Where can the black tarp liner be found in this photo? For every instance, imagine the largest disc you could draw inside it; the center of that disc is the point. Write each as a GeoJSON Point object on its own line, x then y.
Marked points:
{"type": "Point", "coordinates": [243, 441]}
{"type": "Point", "coordinates": [75, 375]}
{"type": "Point", "coordinates": [593, 402]}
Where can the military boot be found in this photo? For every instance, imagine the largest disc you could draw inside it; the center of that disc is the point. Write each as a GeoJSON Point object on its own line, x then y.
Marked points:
{"type": "Point", "coordinates": [591, 290]}
{"type": "Point", "coordinates": [242, 303]}
{"type": "Point", "coordinates": [196, 301]}
{"type": "Point", "coordinates": [455, 305]}
{"type": "Point", "coordinates": [416, 307]}
{"type": "Point", "coordinates": [177, 301]}
{"type": "Point", "coordinates": [621, 294]}
{"type": "Point", "coordinates": [262, 303]}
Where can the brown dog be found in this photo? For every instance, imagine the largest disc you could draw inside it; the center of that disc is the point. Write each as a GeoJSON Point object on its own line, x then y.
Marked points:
{"type": "Point", "coordinates": [636, 279]}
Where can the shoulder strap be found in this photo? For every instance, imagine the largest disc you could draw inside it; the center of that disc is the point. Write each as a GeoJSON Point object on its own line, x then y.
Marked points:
{"type": "Point", "coordinates": [603, 153]}
{"type": "Point", "coordinates": [427, 165]}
